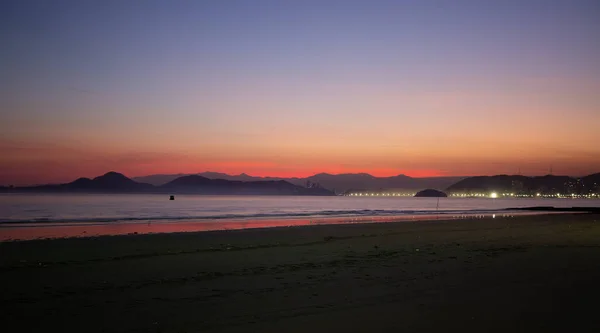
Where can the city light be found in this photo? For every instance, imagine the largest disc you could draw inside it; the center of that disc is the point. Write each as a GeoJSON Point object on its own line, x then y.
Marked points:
{"type": "Point", "coordinates": [493, 195]}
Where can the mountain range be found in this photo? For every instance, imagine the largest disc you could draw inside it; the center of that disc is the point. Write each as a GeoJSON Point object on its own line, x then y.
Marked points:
{"type": "Point", "coordinates": [548, 184]}
{"type": "Point", "coordinates": [319, 184]}
{"type": "Point", "coordinates": [202, 185]}
{"type": "Point", "coordinates": [113, 182]}
{"type": "Point", "coordinates": [338, 183]}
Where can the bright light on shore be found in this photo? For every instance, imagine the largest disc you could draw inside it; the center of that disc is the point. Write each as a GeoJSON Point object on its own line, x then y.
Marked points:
{"type": "Point", "coordinates": [493, 195]}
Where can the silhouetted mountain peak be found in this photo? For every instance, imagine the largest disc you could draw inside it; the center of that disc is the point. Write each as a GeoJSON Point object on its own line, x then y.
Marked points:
{"type": "Point", "coordinates": [191, 180]}
{"type": "Point", "coordinates": [402, 176]}
{"type": "Point", "coordinates": [211, 174]}
{"type": "Point", "coordinates": [112, 176]}
{"type": "Point", "coordinates": [81, 181]}
{"type": "Point", "coordinates": [322, 174]}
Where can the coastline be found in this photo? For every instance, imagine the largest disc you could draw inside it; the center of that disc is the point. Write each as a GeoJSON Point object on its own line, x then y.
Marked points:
{"type": "Point", "coordinates": [523, 273]}
{"type": "Point", "coordinates": [25, 231]}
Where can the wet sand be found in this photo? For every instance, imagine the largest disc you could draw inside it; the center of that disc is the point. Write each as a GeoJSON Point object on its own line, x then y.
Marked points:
{"type": "Point", "coordinates": [45, 230]}
{"type": "Point", "coordinates": [512, 274]}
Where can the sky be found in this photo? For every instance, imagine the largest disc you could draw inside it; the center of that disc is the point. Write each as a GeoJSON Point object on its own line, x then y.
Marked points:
{"type": "Point", "coordinates": [294, 88]}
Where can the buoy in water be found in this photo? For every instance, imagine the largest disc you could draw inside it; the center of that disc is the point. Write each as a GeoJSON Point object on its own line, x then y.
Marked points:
{"type": "Point", "coordinates": [172, 197]}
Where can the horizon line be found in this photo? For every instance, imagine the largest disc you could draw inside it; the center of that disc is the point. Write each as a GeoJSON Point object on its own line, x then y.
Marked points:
{"type": "Point", "coordinates": [284, 178]}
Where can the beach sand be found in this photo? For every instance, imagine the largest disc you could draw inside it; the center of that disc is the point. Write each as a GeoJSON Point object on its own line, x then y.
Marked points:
{"type": "Point", "coordinates": [518, 274]}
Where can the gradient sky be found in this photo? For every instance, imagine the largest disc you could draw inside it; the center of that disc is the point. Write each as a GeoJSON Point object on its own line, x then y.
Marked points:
{"type": "Point", "coordinates": [292, 88]}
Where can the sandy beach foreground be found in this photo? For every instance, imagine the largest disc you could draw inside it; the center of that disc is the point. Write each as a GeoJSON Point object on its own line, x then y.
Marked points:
{"type": "Point", "coordinates": [514, 274]}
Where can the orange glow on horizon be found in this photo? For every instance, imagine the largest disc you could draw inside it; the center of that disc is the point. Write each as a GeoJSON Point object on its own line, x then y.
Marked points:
{"type": "Point", "coordinates": [40, 163]}
{"type": "Point", "coordinates": [436, 93]}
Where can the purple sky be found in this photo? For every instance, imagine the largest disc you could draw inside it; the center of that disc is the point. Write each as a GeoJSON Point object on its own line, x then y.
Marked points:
{"type": "Point", "coordinates": [297, 87]}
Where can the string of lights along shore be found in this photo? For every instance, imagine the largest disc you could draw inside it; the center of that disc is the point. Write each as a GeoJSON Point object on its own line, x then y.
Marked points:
{"type": "Point", "coordinates": [491, 195]}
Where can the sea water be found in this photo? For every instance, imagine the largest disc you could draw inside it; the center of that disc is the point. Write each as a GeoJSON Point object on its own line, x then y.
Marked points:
{"type": "Point", "coordinates": [42, 208]}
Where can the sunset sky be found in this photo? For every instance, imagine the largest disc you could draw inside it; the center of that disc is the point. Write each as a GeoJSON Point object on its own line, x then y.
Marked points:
{"type": "Point", "coordinates": [293, 88]}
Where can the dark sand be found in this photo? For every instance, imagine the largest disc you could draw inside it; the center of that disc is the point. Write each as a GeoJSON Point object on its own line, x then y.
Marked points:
{"type": "Point", "coordinates": [519, 274]}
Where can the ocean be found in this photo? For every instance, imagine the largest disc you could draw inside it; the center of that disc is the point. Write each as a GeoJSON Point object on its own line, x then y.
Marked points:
{"type": "Point", "coordinates": [45, 208]}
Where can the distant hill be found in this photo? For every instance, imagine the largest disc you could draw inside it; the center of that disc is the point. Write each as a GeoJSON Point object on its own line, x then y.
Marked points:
{"type": "Point", "coordinates": [548, 184]}
{"type": "Point", "coordinates": [157, 180]}
{"type": "Point", "coordinates": [364, 181]}
{"type": "Point", "coordinates": [241, 177]}
{"type": "Point", "coordinates": [114, 182]}
{"type": "Point", "coordinates": [163, 179]}
{"type": "Point", "coordinates": [203, 185]}
{"type": "Point", "coordinates": [592, 180]}
{"type": "Point", "coordinates": [340, 183]}
{"type": "Point", "coordinates": [109, 182]}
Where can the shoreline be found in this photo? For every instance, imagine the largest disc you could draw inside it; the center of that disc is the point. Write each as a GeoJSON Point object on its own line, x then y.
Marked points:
{"type": "Point", "coordinates": [18, 232]}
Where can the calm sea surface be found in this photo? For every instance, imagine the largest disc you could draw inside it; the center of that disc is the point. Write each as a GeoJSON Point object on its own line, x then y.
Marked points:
{"type": "Point", "coordinates": [151, 207]}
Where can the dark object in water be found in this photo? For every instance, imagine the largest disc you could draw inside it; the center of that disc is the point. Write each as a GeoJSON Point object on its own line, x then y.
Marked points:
{"type": "Point", "coordinates": [172, 197]}
{"type": "Point", "coordinates": [430, 193]}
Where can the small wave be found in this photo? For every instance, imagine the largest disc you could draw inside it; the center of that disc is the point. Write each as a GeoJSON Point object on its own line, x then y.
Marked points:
{"type": "Point", "coordinates": [316, 214]}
